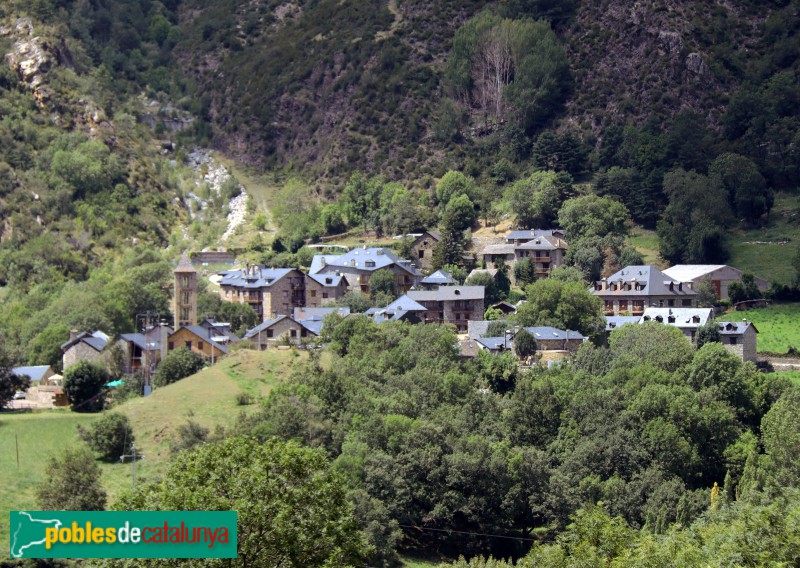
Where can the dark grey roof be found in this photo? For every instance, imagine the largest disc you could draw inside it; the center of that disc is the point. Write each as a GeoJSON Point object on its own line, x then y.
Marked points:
{"type": "Point", "coordinates": [96, 340]}
{"type": "Point", "coordinates": [441, 277]}
{"type": "Point", "coordinates": [552, 333]}
{"type": "Point", "coordinates": [498, 249]}
{"type": "Point", "coordinates": [531, 233]}
{"type": "Point", "coordinates": [406, 303]}
{"type": "Point", "coordinates": [642, 281]}
{"type": "Point", "coordinates": [493, 343]}
{"type": "Point", "coordinates": [735, 328]}
{"type": "Point", "coordinates": [367, 259]}
{"type": "Point", "coordinates": [35, 373]}
{"type": "Point", "coordinates": [613, 322]}
{"type": "Point", "coordinates": [257, 277]}
{"type": "Point", "coordinates": [140, 341]}
{"type": "Point", "coordinates": [543, 243]}
{"type": "Point", "coordinates": [444, 293]}
{"type": "Point", "coordinates": [205, 335]}
{"type": "Point", "coordinates": [303, 314]}
{"type": "Point", "coordinates": [477, 328]}
{"type": "Point", "coordinates": [329, 280]}
{"type": "Point", "coordinates": [184, 264]}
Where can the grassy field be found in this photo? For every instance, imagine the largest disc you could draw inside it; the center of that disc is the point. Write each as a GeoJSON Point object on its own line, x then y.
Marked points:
{"type": "Point", "coordinates": [778, 326]}
{"type": "Point", "coordinates": [208, 398]}
{"type": "Point", "coordinates": [758, 251]}
{"type": "Point", "coordinates": [646, 242]}
{"type": "Point", "coordinates": [793, 376]}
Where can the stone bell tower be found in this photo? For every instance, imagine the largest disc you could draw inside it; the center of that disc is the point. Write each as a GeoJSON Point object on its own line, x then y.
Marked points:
{"type": "Point", "coordinates": [185, 300]}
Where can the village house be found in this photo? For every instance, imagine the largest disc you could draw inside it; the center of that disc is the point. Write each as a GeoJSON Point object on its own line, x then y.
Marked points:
{"type": "Point", "coordinates": [719, 275]}
{"type": "Point", "coordinates": [422, 249]}
{"type": "Point", "coordinates": [358, 266]}
{"type": "Point", "coordinates": [615, 322]}
{"type": "Point", "coordinates": [269, 291]}
{"type": "Point", "coordinates": [634, 288]}
{"type": "Point", "coordinates": [551, 344]}
{"type": "Point", "coordinates": [283, 330]}
{"type": "Point", "coordinates": [545, 248]}
{"type": "Point", "coordinates": [438, 278]}
{"type": "Point", "coordinates": [37, 374]}
{"type": "Point", "coordinates": [451, 304]}
{"type": "Point", "coordinates": [685, 319]}
{"type": "Point", "coordinates": [84, 346]}
{"type": "Point", "coordinates": [402, 309]}
{"type": "Point", "coordinates": [200, 340]}
{"type": "Point", "coordinates": [138, 351]}
{"type": "Point", "coordinates": [740, 338]}
{"type": "Point", "coordinates": [324, 289]}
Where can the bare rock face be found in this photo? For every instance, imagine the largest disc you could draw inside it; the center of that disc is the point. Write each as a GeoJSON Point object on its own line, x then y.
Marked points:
{"type": "Point", "coordinates": [696, 65]}
{"type": "Point", "coordinates": [671, 43]}
{"type": "Point", "coordinates": [31, 57]}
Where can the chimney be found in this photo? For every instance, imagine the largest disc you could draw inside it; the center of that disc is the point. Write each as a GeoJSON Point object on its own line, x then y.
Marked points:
{"type": "Point", "coordinates": [603, 284]}
{"type": "Point", "coordinates": [73, 334]}
{"type": "Point", "coordinates": [324, 262]}
{"type": "Point", "coordinates": [162, 340]}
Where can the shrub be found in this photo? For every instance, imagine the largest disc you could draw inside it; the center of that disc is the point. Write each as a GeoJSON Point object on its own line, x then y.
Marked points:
{"type": "Point", "coordinates": [71, 483]}
{"type": "Point", "coordinates": [110, 436]}
{"type": "Point", "coordinates": [179, 364]}
{"type": "Point", "coordinates": [243, 399]}
{"type": "Point", "coordinates": [189, 435]}
{"type": "Point", "coordinates": [83, 385]}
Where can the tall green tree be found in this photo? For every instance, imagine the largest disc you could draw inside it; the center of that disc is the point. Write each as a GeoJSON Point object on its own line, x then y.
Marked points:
{"type": "Point", "coordinates": [593, 216]}
{"type": "Point", "coordinates": [292, 507]}
{"type": "Point", "coordinates": [564, 305]}
{"type": "Point", "coordinates": [738, 177]}
{"type": "Point", "coordinates": [71, 483]}
{"type": "Point", "coordinates": [178, 364]}
{"type": "Point", "coordinates": [84, 386]}
{"type": "Point", "coordinates": [535, 201]}
{"type": "Point", "coordinates": [9, 382]}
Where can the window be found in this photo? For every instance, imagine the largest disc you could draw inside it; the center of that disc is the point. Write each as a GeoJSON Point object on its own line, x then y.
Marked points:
{"type": "Point", "coordinates": [170, 346]}
{"type": "Point", "coordinates": [686, 303]}
{"type": "Point", "coordinates": [189, 345]}
{"type": "Point", "coordinates": [292, 333]}
{"type": "Point", "coordinates": [313, 293]}
{"type": "Point", "coordinates": [200, 345]}
{"type": "Point", "coordinates": [670, 303]}
{"type": "Point", "coordinates": [303, 333]}
{"type": "Point", "coordinates": [324, 294]}
{"type": "Point", "coordinates": [421, 253]}
{"type": "Point", "coordinates": [733, 340]}
{"type": "Point", "coordinates": [623, 305]}
{"type": "Point", "coordinates": [269, 333]}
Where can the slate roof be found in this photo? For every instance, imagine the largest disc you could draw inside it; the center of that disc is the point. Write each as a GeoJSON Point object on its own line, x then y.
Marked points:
{"type": "Point", "coordinates": [328, 280]}
{"type": "Point", "coordinates": [492, 343]}
{"type": "Point", "coordinates": [140, 341]}
{"type": "Point", "coordinates": [312, 325]}
{"type": "Point", "coordinates": [490, 271]}
{"type": "Point", "coordinates": [543, 243]}
{"type": "Point", "coordinates": [34, 373]}
{"type": "Point", "coordinates": [498, 249]}
{"type": "Point", "coordinates": [205, 335]}
{"type": "Point", "coordinates": [407, 304]}
{"type": "Point", "coordinates": [649, 280]}
{"type": "Point", "coordinates": [448, 293]}
{"type": "Point", "coordinates": [683, 317]}
{"type": "Point", "coordinates": [613, 322]}
{"type": "Point", "coordinates": [477, 328]}
{"type": "Point", "coordinates": [368, 259]}
{"type": "Point", "coordinates": [441, 277]}
{"type": "Point", "coordinates": [735, 328]}
{"type": "Point", "coordinates": [307, 314]}
{"type": "Point", "coordinates": [259, 277]}
{"type": "Point", "coordinates": [531, 233]}
{"type": "Point", "coordinates": [552, 334]}
{"type": "Point", "coordinates": [97, 340]}
{"type": "Point", "coordinates": [184, 264]}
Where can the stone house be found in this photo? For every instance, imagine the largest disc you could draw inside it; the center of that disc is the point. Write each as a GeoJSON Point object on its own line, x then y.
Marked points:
{"type": "Point", "coordinates": [740, 338]}
{"type": "Point", "coordinates": [37, 374]}
{"type": "Point", "coordinates": [358, 265]}
{"type": "Point", "coordinates": [138, 351]}
{"type": "Point", "coordinates": [546, 248]}
{"type": "Point", "coordinates": [719, 275]}
{"type": "Point", "coordinates": [198, 339]}
{"type": "Point", "coordinates": [402, 309]}
{"type": "Point", "coordinates": [634, 288]}
{"type": "Point", "coordinates": [688, 320]}
{"type": "Point", "coordinates": [451, 304]}
{"type": "Point", "coordinates": [548, 340]}
{"type": "Point", "coordinates": [422, 249]}
{"type": "Point", "coordinates": [324, 289]}
{"type": "Point", "coordinates": [283, 330]}
{"type": "Point", "coordinates": [269, 291]}
{"type": "Point", "coordinates": [83, 346]}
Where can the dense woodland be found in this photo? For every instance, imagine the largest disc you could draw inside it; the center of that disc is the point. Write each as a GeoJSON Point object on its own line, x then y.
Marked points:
{"type": "Point", "coordinates": [384, 118]}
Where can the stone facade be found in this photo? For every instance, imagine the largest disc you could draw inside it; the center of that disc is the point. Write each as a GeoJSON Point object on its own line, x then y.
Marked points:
{"type": "Point", "coordinates": [83, 352]}
{"type": "Point", "coordinates": [740, 338]}
{"type": "Point", "coordinates": [269, 292]}
{"type": "Point", "coordinates": [422, 249]}
{"type": "Point", "coordinates": [455, 305]}
{"type": "Point", "coordinates": [185, 298]}
{"type": "Point", "coordinates": [198, 341]}
{"type": "Point", "coordinates": [281, 331]}
{"type": "Point", "coordinates": [324, 289]}
{"type": "Point", "coordinates": [635, 288]}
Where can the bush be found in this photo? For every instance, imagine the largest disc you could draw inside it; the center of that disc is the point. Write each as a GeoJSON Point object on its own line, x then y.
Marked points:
{"type": "Point", "coordinates": [84, 386]}
{"type": "Point", "coordinates": [243, 399]}
{"type": "Point", "coordinates": [179, 364]}
{"type": "Point", "coordinates": [71, 483]}
{"type": "Point", "coordinates": [110, 436]}
{"type": "Point", "coordinates": [189, 435]}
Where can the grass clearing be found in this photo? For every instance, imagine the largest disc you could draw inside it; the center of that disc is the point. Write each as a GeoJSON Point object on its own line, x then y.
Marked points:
{"type": "Point", "coordinates": [793, 376]}
{"type": "Point", "coordinates": [778, 326]}
{"type": "Point", "coordinates": [646, 242]}
{"type": "Point", "coordinates": [209, 398]}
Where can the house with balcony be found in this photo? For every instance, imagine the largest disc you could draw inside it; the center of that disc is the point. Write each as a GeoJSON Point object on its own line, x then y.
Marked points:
{"type": "Point", "coordinates": [634, 288]}
{"type": "Point", "coordinates": [359, 264]}
{"type": "Point", "coordinates": [324, 289]}
{"type": "Point", "coordinates": [269, 291]}
{"type": "Point", "coordinates": [451, 304]}
{"type": "Point", "coordinates": [546, 249]}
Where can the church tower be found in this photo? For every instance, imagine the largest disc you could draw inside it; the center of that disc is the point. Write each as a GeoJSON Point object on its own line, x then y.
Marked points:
{"type": "Point", "coordinates": [185, 301]}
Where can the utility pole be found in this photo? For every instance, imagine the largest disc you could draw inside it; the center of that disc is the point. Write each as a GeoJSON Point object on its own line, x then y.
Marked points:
{"type": "Point", "coordinates": [148, 321]}
{"type": "Point", "coordinates": [134, 456]}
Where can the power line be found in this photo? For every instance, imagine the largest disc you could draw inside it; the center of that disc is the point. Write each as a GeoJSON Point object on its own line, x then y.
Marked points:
{"type": "Point", "coordinates": [469, 533]}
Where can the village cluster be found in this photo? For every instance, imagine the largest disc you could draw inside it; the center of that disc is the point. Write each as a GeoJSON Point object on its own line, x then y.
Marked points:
{"type": "Point", "coordinates": [291, 304]}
